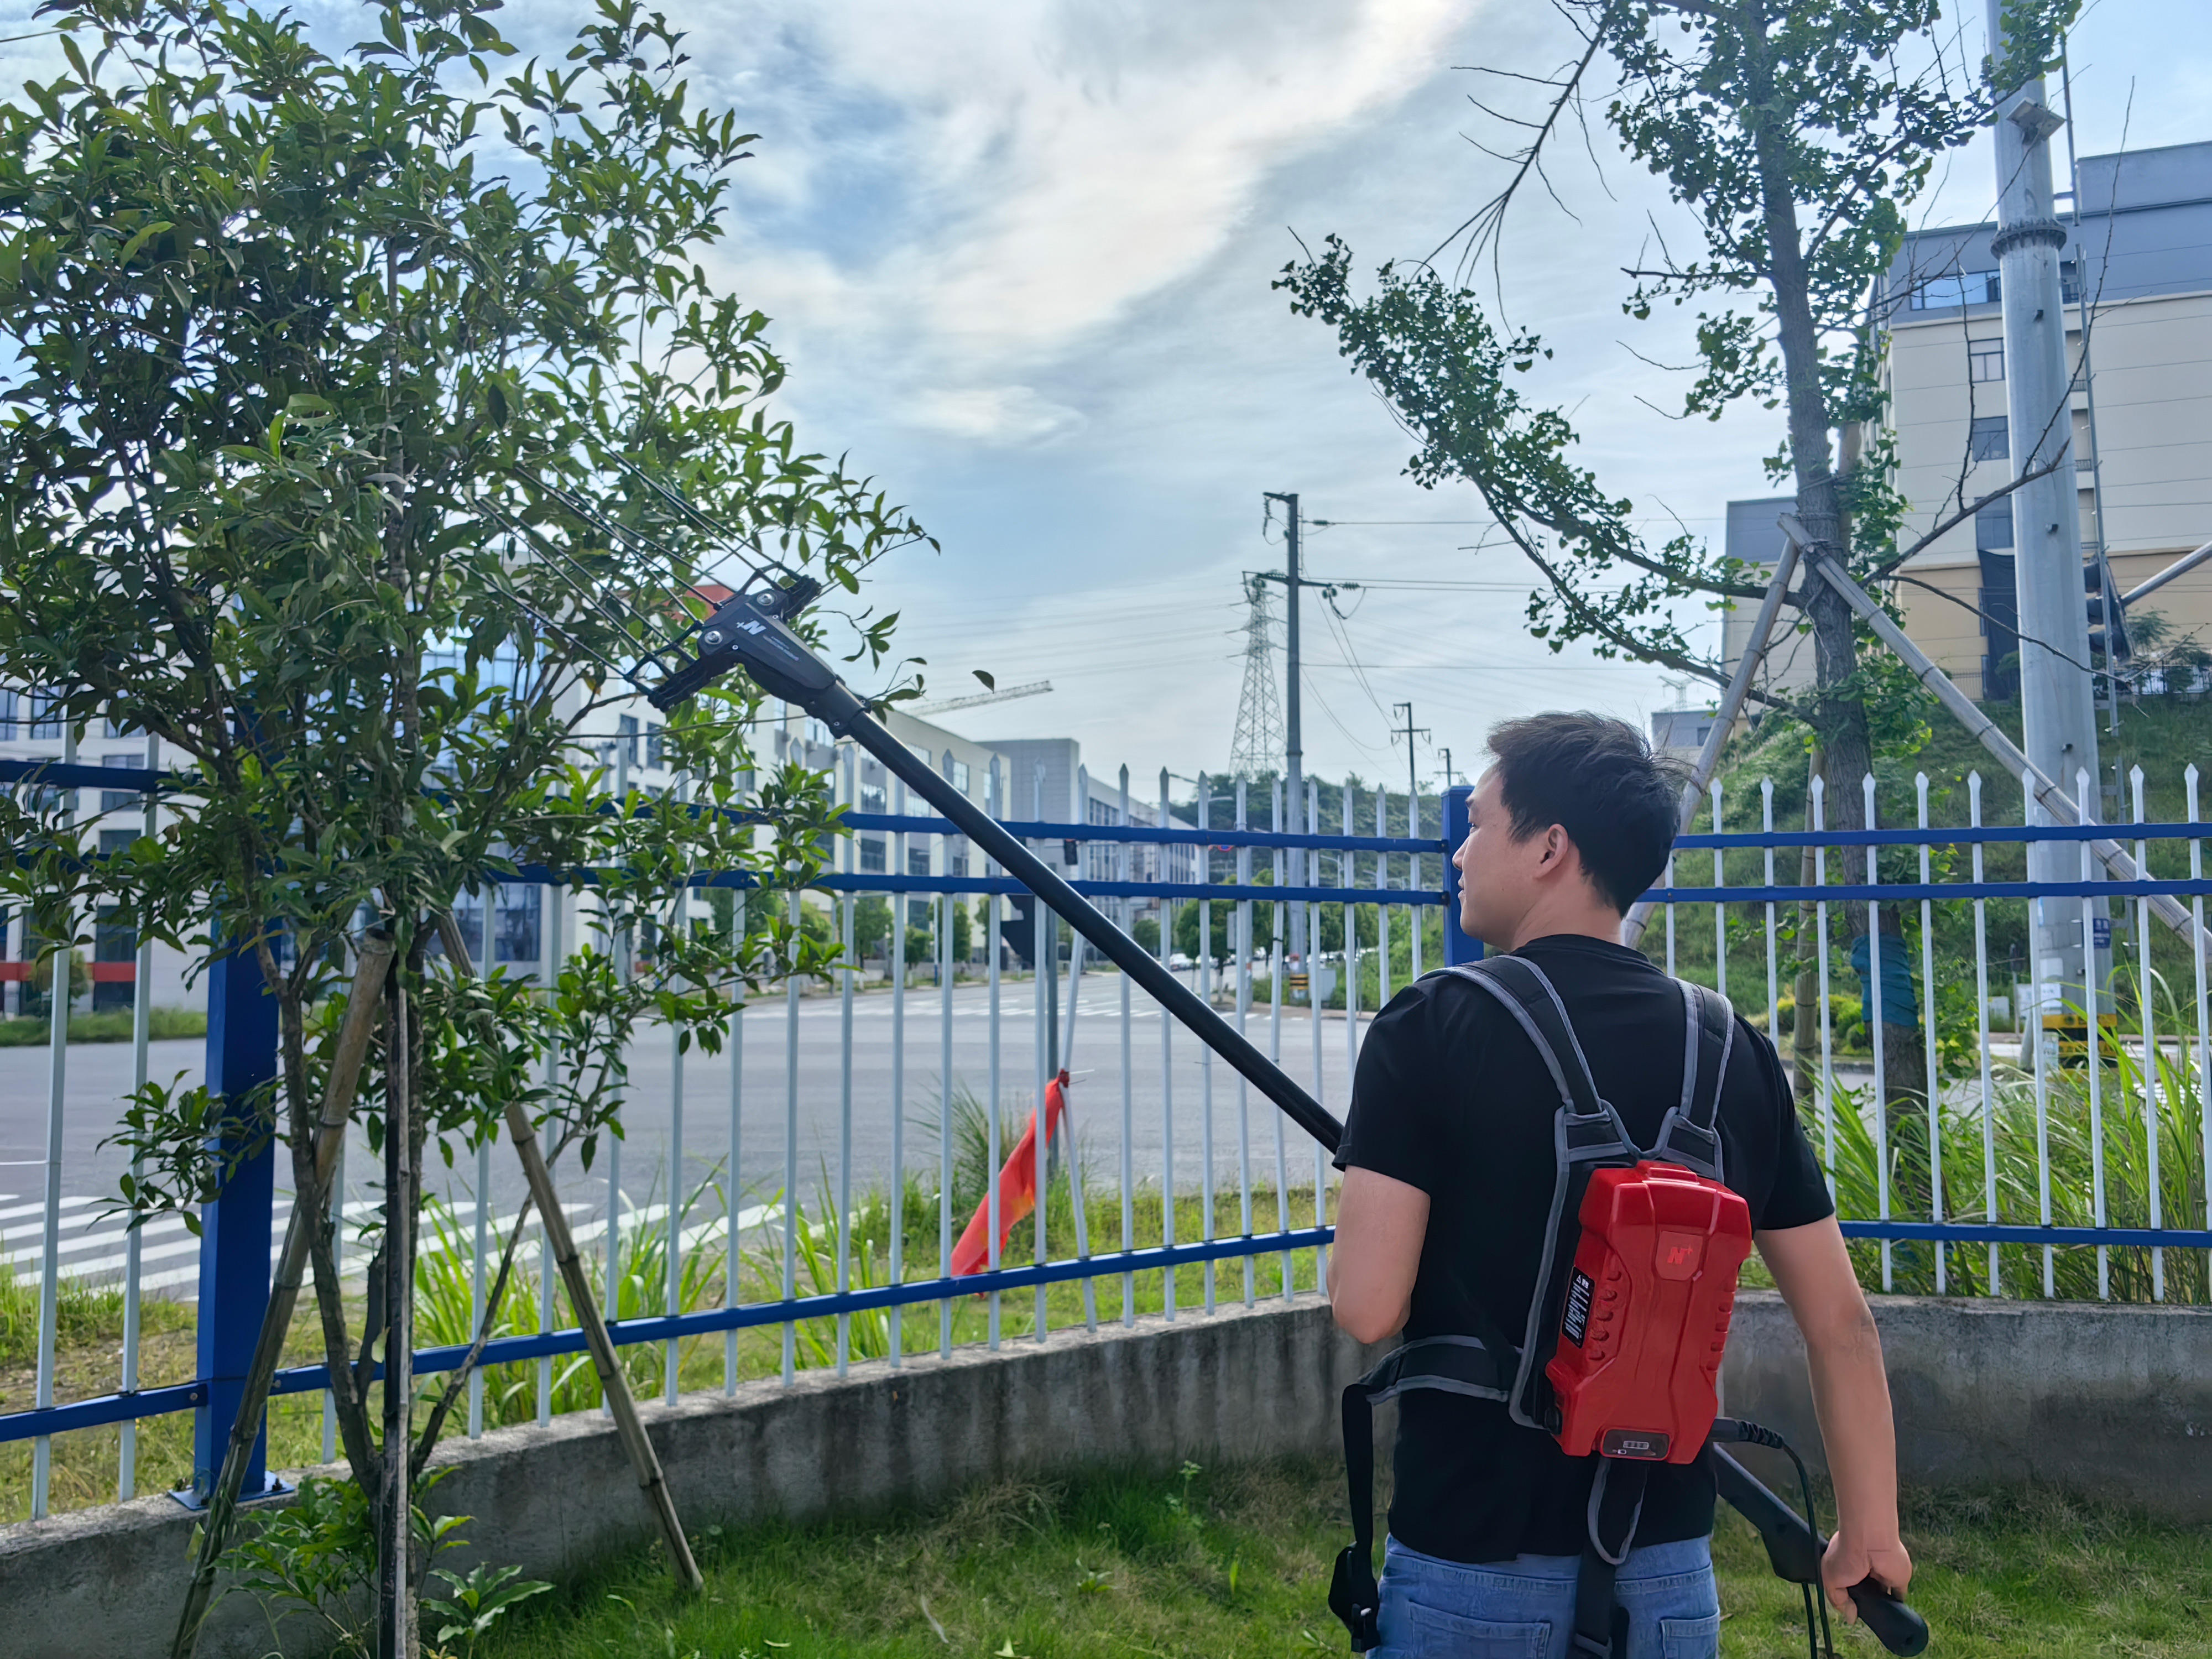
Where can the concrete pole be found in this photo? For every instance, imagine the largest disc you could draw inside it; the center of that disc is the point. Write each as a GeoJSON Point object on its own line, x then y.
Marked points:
{"type": "Point", "coordinates": [1293, 747]}
{"type": "Point", "coordinates": [2057, 697]}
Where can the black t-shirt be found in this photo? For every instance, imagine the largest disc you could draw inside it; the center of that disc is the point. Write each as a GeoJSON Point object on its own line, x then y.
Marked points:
{"type": "Point", "coordinates": [1451, 1096]}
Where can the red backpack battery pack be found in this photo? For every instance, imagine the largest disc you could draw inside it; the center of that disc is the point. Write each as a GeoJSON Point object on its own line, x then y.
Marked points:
{"type": "Point", "coordinates": [1646, 1317]}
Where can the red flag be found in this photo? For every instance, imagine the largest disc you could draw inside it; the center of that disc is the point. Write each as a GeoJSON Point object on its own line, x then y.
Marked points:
{"type": "Point", "coordinates": [1018, 1189]}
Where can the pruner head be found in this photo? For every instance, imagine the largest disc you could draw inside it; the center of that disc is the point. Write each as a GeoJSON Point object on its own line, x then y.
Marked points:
{"type": "Point", "coordinates": [751, 631]}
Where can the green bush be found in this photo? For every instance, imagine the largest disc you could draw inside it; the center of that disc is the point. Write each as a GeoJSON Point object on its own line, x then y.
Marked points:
{"type": "Point", "coordinates": [110, 1025]}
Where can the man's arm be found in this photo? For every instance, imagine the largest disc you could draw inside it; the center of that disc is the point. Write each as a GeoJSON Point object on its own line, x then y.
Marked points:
{"type": "Point", "coordinates": [1380, 1226]}
{"type": "Point", "coordinates": [1850, 1395]}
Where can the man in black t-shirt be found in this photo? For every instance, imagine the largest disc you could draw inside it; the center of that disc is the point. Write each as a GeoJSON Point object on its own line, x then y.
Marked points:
{"type": "Point", "coordinates": [1448, 1169]}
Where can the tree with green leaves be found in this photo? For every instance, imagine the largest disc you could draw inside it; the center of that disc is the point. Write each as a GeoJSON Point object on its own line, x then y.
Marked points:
{"type": "Point", "coordinates": [1794, 134]}
{"type": "Point", "coordinates": [372, 415]}
{"type": "Point", "coordinates": [1794, 137]}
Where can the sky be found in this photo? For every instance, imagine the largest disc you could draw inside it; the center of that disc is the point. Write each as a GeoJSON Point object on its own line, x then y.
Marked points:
{"type": "Point", "coordinates": [1018, 259]}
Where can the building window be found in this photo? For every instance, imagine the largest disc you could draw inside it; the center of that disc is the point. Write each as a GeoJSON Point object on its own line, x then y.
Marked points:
{"type": "Point", "coordinates": [116, 841]}
{"type": "Point", "coordinates": [518, 922]}
{"type": "Point", "coordinates": [1985, 360]}
{"type": "Point", "coordinates": [112, 942]}
{"type": "Point", "coordinates": [42, 715]}
{"type": "Point", "coordinates": [1991, 439]}
{"type": "Point", "coordinates": [917, 861]}
{"type": "Point", "coordinates": [1993, 526]}
{"type": "Point", "coordinates": [957, 863]}
{"type": "Point", "coordinates": [960, 776]}
{"type": "Point", "coordinates": [627, 725]}
{"type": "Point", "coordinates": [2069, 282]}
{"type": "Point", "coordinates": [872, 798]}
{"type": "Point", "coordinates": [872, 862]}
{"type": "Point", "coordinates": [119, 800]}
{"type": "Point", "coordinates": [656, 746]}
{"type": "Point", "coordinates": [1968, 288]}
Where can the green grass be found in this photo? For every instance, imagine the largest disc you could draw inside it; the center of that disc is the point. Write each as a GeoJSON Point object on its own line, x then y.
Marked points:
{"type": "Point", "coordinates": [1234, 1561]}
{"type": "Point", "coordinates": [113, 1025]}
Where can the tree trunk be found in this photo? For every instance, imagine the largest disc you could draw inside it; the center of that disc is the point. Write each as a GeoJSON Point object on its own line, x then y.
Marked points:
{"type": "Point", "coordinates": [395, 1507]}
{"type": "Point", "coordinates": [1804, 1033]}
{"type": "Point", "coordinates": [1838, 718]}
{"type": "Point", "coordinates": [1838, 713]}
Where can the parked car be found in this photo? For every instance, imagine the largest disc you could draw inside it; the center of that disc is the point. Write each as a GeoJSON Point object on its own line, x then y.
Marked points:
{"type": "Point", "coordinates": [1177, 960]}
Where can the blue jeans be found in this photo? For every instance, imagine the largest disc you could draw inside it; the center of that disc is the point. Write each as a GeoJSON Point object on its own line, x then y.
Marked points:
{"type": "Point", "coordinates": [1525, 1609]}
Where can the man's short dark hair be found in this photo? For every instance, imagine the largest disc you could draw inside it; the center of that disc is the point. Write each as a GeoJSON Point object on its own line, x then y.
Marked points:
{"type": "Point", "coordinates": [1598, 780]}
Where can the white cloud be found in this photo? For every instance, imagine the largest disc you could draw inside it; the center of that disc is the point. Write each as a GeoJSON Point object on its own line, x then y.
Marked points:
{"type": "Point", "coordinates": [996, 415]}
{"type": "Point", "coordinates": [1041, 168]}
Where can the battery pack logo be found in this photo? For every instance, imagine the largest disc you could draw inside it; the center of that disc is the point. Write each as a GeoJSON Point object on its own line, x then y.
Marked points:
{"type": "Point", "coordinates": [1576, 1319]}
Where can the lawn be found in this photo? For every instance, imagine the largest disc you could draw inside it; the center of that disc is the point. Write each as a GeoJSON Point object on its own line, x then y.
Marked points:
{"type": "Point", "coordinates": [1234, 1561]}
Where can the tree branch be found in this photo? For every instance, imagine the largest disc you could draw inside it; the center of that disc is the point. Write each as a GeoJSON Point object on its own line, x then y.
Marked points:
{"type": "Point", "coordinates": [460, 1378]}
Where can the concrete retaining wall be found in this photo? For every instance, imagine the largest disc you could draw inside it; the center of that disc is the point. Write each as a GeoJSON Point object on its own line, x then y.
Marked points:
{"type": "Point", "coordinates": [105, 1583]}
{"type": "Point", "coordinates": [2112, 1403]}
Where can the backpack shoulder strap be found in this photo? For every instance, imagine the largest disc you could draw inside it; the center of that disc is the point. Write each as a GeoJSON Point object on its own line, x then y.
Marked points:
{"type": "Point", "coordinates": [1521, 987]}
{"type": "Point", "coordinates": [1690, 1136]}
{"type": "Point", "coordinates": [1586, 1133]}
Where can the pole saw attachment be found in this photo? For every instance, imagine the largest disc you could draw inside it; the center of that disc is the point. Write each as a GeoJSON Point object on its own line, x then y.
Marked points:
{"type": "Point", "coordinates": [751, 631]}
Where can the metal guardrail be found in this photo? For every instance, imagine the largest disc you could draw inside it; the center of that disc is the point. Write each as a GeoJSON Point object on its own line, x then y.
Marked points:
{"type": "Point", "coordinates": [1244, 1191]}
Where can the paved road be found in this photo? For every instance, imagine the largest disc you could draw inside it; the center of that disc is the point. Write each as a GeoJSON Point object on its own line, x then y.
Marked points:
{"type": "Point", "coordinates": [100, 1075]}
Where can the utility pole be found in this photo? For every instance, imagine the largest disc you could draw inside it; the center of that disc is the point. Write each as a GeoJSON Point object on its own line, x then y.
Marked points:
{"type": "Point", "coordinates": [2059, 710]}
{"type": "Point", "coordinates": [1409, 732]}
{"type": "Point", "coordinates": [1294, 793]}
{"type": "Point", "coordinates": [1446, 753]}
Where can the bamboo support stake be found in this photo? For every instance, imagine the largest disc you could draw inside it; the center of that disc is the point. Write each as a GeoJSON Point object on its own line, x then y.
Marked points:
{"type": "Point", "coordinates": [1724, 718]}
{"type": "Point", "coordinates": [612, 1379]}
{"type": "Point", "coordinates": [363, 1003]}
{"type": "Point", "coordinates": [2061, 804]}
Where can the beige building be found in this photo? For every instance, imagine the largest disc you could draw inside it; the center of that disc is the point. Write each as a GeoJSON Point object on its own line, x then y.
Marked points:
{"type": "Point", "coordinates": [2142, 258]}
{"type": "Point", "coordinates": [2142, 251]}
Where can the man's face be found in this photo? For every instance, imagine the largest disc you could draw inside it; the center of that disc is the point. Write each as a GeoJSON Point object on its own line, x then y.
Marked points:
{"type": "Point", "coordinates": [1496, 873]}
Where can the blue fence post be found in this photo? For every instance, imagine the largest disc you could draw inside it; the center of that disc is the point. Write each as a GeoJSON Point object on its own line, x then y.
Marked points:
{"type": "Point", "coordinates": [1458, 947]}
{"type": "Point", "coordinates": [235, 1227]}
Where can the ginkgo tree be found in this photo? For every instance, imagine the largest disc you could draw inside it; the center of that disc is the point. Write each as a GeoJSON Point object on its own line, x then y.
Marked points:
{"type": "Point", "coordinates": [373, 413]}
{"type": "Point", "coordinates": [1794, 134]}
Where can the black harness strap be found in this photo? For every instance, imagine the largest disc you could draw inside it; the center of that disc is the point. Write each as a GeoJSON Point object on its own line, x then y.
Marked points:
{"type": "Point", "coordinates": [1616, 1505]}
{"type": "Point", "coordinates": [1464, 1366]}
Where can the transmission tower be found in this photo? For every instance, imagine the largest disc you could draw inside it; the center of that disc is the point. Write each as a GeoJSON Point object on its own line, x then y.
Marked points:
{"type": "Point", "coordinates": [1257, 747]}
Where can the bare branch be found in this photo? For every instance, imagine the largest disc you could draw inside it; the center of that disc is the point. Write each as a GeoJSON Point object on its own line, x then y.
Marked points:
{"type": "Point", "coordinates": [1485, 222]}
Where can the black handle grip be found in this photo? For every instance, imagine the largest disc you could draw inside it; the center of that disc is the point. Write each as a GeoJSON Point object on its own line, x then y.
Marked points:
{"type": "Point", "coordinates": [1895, 1624]}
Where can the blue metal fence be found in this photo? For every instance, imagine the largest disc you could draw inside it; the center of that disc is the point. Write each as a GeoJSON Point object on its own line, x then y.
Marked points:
{"type": "Point", "coordinates": [1349, 873]}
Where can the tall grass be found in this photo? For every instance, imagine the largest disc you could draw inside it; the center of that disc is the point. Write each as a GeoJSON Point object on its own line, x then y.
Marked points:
{"type": "Point", "coordinates": [444, 1313]}
{"type": "Point", "coordinates": [2175, 1115]}
{"type": "Point", "coordinates": [85, 1314]}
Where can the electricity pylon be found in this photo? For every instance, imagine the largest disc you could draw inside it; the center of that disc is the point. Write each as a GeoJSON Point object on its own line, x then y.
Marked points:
{"type": "Point", "coordinates": [1257, 748]}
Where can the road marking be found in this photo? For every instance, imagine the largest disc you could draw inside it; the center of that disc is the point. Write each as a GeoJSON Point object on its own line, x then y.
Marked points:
{"type": "Point", "coordinates": [21, 1210]}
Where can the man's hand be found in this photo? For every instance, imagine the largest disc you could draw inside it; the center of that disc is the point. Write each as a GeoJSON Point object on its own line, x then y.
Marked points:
{"type": "Point", "coordinates": [1847, 1562]}
{"type": "Point", "coordinates": [1850, 1396]}
{"type": "Point", "coordinates": [1380, 1226]}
